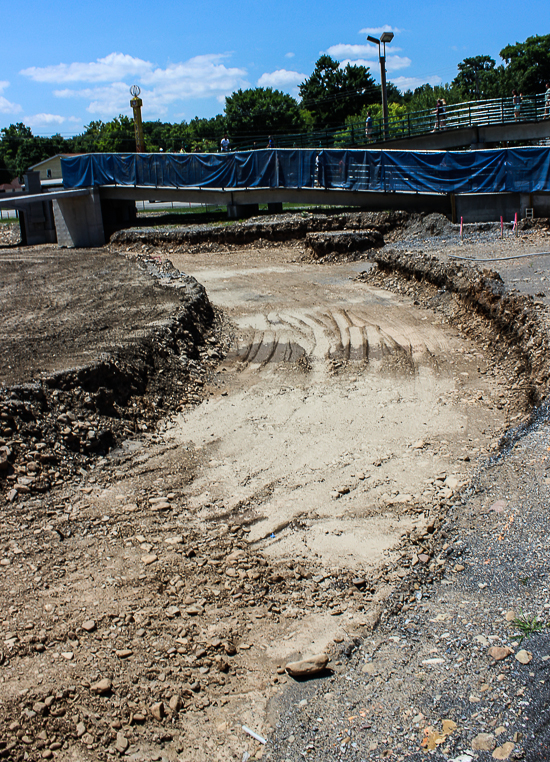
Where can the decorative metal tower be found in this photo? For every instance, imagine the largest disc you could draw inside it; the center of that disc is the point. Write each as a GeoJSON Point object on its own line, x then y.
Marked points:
{"type": "Point", "coordinates": [136, 103]}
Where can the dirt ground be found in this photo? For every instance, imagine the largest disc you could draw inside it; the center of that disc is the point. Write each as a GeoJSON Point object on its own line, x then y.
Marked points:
{"type": "Point", "coordinates": [152, 600]}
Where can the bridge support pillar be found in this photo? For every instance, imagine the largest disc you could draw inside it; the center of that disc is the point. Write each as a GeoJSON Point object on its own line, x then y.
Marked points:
{"type": "Point", "coordinates": [276, 207]}
{"type": "Point", "coordinates": [238, 211]}
{"type": "Point", "coordinates": [78, 221]}
{"type": "Point", "coordinates": [36, 220]}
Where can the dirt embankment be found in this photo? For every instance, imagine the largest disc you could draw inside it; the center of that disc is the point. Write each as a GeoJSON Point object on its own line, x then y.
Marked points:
{"type": "Point", "coordinates": [303, 226]}
{"type": "Point", "coordinates": [511, 325]}
{"type": "Point", "coordinates": [134, 363]}
{"type": "Point", "coordinates": [292, 227]}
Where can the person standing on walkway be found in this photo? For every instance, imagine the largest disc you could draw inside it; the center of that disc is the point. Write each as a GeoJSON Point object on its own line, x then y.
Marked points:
{"type": "Point", "coordinates": [547, 101]}
{"type": "Point", "coordinates": [516, 100]}
{"type": "Point", "coordinates": [368, 126]}
{"type": "Point", "coordinates": [225, 144]}
{"type": "Point", "coordinates": [442, 114]}
{"type": "Point", "coordinates": [437, 113]}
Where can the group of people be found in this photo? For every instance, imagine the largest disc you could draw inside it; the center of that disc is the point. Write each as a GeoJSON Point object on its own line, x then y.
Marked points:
{"type": "Point", "coordinates": [225, 144]}
{"type": "Point", "coordinates": [518, 97]}
{"type": "Point", "coordinates": [516, 100]}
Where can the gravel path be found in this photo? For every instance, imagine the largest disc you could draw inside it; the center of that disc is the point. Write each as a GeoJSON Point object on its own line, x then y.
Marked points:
{"type": "Point", "coordinates": [429, 677]}
{"type": "Point", "coordinates": [448, 673]}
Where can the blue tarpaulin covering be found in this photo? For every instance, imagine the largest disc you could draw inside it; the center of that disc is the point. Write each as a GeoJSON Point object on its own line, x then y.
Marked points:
{"type": "Point", "coordinates": [522, 170]}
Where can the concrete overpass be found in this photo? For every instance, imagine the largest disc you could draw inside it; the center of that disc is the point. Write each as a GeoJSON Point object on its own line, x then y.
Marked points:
{"type": "Point", "coordinates": [86, 216]}
{"type": "Point", "coordinates": [476, 136]}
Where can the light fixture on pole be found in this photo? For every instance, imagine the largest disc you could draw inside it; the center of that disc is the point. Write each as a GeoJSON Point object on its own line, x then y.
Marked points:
{"type": "Point", "coordinates": [384, 38]}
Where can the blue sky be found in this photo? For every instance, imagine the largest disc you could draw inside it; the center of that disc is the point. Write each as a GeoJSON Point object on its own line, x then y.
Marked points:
{"type": "Point", "coordinates": [65, 63]}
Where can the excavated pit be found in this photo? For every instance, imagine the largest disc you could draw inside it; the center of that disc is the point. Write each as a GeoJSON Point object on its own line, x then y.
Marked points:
{"type": "Point", "coordinates": [343, 406]}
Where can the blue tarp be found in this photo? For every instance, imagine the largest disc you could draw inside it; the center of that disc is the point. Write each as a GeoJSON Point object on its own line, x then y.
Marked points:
{"type": "Point", "coordinates": [522, 170]}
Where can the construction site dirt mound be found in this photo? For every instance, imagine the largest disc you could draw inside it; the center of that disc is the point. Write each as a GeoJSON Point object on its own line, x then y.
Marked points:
{"type": "Point", "coordinates": [330, 236]}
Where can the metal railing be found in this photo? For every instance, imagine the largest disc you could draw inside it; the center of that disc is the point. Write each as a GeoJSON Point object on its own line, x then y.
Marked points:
{"type": "Point", "coordinates": [456, 116]}
{"type": "Point", "coordinates": [473, 113]}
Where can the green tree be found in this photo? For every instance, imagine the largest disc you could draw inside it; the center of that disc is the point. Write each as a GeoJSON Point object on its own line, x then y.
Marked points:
{"type": "Point", "coordinates": [425, 97]}
{"type": "Point", "coordinates": [333, 93]}
{"type": "Point", "coordinates": [116, 136]}
{"type": "Point", "coordinates": [87, 141]}
{"type": "Point", "coordinates": [527, 65]}
{"type": "Point", "coordinates": [5, 174]}
{"type": "Point", "coordinates": [205, 134]}
{"type": "Point", "coordinates": [477, 78]}
{"type": "Point", "coordinates": [259, 112]}
{"type": "Point", "coordinates": [12, 138]}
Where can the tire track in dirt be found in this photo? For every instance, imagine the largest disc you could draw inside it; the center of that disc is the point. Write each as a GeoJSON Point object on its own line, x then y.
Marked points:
{"type": "Point", "coordinates": [334, 333]}
{"type": "Point", "coordinates": [326, 378]}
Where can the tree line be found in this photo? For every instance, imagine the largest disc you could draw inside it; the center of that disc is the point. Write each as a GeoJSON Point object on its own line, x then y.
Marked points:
{"type": "Point", "coordinates": [331, 97]}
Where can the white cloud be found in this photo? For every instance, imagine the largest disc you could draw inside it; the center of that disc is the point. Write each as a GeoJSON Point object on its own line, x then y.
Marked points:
{"type": "Point", "coordinates": [282, 79]}
{"type": "Point", "coordinates": [199, 77]}
{"type": "Point", "coordinates": [367, 55]}
{"type": "Point", "coordinates": [410, 83]}
{"type": "Point", "coordinates": [6, 106]}
{"type": "Point", "coordinates": [43, 120]}
{"type": "Point", "coordinates": [110, 100]}
{"type": "Point", "coordinates": [376, 31]}
{"type": "Point", "coordinates": [112, 67]}
{"type": "Point", "coordinates": [375, 65]}
{"type": "Point", "coordinates": [289, 55]}
{"type": "Point", "coordinates": [393, 63]}
{"type": "Point", "coordinates": [353, 51]}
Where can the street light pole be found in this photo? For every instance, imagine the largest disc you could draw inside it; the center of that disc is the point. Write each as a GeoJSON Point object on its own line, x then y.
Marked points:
{"type": "Point", "coordinates": [384, 38]}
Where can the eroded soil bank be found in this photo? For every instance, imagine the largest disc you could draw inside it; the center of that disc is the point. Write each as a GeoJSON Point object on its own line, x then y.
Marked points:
{"type": "Point", "coordinates": [316, 500]}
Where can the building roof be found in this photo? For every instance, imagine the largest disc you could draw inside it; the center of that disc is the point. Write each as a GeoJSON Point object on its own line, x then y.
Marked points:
{"type": "Point", "coordinates": [57, 156]}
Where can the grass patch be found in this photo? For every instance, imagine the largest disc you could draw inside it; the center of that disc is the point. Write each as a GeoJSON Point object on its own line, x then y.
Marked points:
{"type": "Point", "coordinates": [527, 626]}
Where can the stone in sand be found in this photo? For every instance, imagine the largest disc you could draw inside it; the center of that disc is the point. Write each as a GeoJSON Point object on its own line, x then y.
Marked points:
{"type": "Point", "coordinates": [307, 667]}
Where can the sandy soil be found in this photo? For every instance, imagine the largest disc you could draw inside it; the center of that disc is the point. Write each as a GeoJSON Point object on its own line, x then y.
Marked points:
{"type": "Point", "coordinates": [341, 400]}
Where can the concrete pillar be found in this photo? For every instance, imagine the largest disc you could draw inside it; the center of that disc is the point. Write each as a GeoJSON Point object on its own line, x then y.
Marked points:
{"type": "Point", "coordinates": [79, 222]}
{"type": "Point", "coordinates": [276, 207]}
{"type": "Point", "coordinates": [487, 207]}
{"type": "Point", "coordinates": [238, 211]}
{"type": "Point", "coordinates": [36, 220]}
